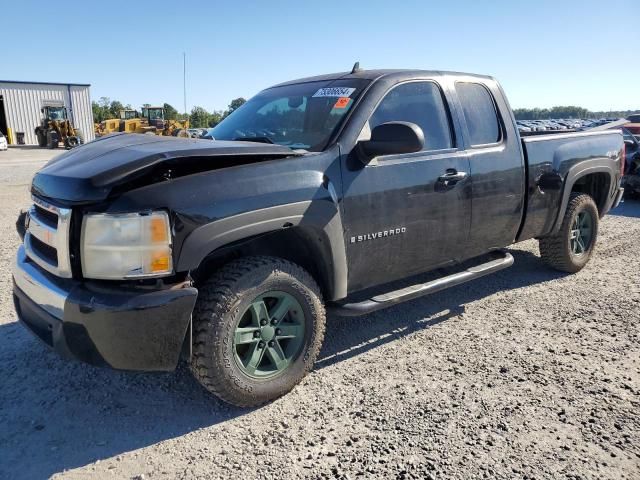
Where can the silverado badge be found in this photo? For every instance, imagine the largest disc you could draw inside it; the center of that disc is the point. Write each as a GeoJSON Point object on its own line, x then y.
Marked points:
{"type": "Point", "coordinates": [381, 234]}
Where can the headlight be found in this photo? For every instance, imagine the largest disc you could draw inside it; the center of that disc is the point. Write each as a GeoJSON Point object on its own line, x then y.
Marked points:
{"type": "Point", "coordinates": [125, 246]}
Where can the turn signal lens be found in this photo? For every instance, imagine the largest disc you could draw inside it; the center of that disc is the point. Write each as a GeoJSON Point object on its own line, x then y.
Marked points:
{"type": "Point", "coordinates": [160, 262]}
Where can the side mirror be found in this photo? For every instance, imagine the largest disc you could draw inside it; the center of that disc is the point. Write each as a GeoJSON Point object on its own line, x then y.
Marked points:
{"type": "Point", "coordinates": [393, 138]}
{"type": "Point", "coordinates": [629, 143]}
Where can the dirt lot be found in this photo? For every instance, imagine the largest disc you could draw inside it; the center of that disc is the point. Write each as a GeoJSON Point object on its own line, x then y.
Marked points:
{"type": "Point", "coordinates": [525, 374]}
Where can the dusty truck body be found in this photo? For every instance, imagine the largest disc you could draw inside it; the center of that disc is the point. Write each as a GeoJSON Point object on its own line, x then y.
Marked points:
{"type": "Point", "coordinates": [140, 249]}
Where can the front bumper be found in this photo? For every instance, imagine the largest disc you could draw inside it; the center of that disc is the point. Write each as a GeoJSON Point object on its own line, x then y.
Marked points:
{"type": "Point", "coordinates": [123, 328]}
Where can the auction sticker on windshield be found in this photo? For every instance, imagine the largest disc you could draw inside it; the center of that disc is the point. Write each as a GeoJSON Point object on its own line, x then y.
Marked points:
{"type": "Point", "coordinates": [334, 92]}
{"type": "Point", "coordinates": [342, 102]}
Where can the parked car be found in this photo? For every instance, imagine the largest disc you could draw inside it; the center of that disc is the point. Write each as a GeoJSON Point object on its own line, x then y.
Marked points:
{"type": "Point", "coordinates": [631, 179]}
{"type": "Point", "coordinates": [197, 132]}
{"type": "Point", "coordinates": [633, 128]}
{"type": "Point", "coordinates": [3, 142]}
{"type": "Point", "coordinates": [140, 250]}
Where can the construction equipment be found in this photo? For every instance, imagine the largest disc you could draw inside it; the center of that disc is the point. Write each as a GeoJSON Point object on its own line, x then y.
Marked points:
{"type": "Point", "coordinates": [55, 127]}
{"type": "Point", "coordinates": [154, 117]}
{"type": "Point", "coordinates": [151, 121]}
{"type": "Point", "coordinates": [129, 122]}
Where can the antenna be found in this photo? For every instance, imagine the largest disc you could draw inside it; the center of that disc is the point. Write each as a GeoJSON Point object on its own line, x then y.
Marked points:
{"type": "Point", "coordinates": [356, 67]}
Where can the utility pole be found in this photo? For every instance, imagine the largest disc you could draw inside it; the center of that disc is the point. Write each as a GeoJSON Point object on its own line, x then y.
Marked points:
{"type": "Point", "coordinates": [184, 79]}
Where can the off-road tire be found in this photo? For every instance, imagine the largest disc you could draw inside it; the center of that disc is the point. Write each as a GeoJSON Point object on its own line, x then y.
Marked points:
{"type": "Point", "coordinates": [52, 139]}
{"type": "Point", "coordinates": [555, 250]}
{"type": "Point", "coordinates": [222, 300]}
{"type": "Point", "coordinates": [71, 142]}
{"type": "Point", "coordinates": [42, 139]}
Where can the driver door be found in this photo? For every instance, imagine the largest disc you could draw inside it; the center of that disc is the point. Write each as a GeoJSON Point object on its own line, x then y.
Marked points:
{"type": "Point", "coordinates": [401, 216]}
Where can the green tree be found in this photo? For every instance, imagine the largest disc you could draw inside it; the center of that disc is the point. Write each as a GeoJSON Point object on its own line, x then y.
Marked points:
{"type": "Point", "coordinates": [199, 118]}
{"type": "Point", "coordinates": [234, 105]}
{"type": "Point", "coordinates": [104, 102]}
{"type": "Point", "coordinates": [114, 109]}
{"type": "Point", "coordinates": [101, 109]}
{"type": "Point", "coordinates": [97, 112]}
{"type": "Point", "coordinates": [215, 118]}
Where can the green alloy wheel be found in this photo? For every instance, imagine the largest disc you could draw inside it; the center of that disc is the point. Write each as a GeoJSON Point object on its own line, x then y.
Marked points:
{"type": "Point", "coordinates": [269, 335]}
{"type": "Point", "coordinates": [258, 327]}
{"type": "Point", "coordinates": [581, 233]}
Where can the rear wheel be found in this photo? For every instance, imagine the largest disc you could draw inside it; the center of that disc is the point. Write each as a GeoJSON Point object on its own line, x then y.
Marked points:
{"type": "Point", "coordinates": [571, 247]}
{"type": "Point", "coordinates": [71, 142]}
{"type": "Point", "coordinates": [258, 327]}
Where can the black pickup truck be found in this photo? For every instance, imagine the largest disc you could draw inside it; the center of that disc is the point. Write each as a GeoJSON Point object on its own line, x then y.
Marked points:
{"type": "Point", "coordinates": [141, 250]}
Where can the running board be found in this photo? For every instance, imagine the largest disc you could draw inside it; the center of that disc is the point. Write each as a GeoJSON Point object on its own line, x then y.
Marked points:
{"type": "Point", "coordinates": [503, 260]}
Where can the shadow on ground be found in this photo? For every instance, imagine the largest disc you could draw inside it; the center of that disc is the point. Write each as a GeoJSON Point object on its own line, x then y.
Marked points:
{"type": "Point", "coordinates": [57, 415]}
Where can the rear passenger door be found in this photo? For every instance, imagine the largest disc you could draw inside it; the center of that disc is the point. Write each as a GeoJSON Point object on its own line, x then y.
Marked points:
{"type": "Point", "coordinates": [402, 215]}
{"type": "Point", "coordinates": [496, 166]}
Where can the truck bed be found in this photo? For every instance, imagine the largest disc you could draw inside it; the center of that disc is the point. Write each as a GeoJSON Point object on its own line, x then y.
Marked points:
{"type": "Point", "coordinates": [551, 161]}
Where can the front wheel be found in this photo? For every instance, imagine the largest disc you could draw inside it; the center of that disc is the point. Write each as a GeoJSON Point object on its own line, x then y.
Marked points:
{"type": "Point", "coordinates": [258, 327]}
{"type": "Point", "coordinates": [572, 246]}
{"type": "Point", "coordinates": [42, 139]}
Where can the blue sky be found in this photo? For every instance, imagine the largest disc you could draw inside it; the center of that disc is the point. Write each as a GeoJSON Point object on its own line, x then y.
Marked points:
{"type": "Point", "coordinates": [545, 53]}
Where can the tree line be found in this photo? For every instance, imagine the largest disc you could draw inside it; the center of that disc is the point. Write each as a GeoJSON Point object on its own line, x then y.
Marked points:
{"type": "Point", "coordinates": [566, 112]}
{"type": "Point", "coordinates": [199, 117]}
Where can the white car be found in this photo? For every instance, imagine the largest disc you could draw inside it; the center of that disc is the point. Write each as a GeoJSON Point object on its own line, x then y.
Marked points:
{"type": "Point", "coordinates": [3, 142]}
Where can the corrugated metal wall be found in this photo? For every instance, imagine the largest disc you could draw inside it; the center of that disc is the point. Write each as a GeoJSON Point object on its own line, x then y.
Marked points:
{"type": "Point", "coordinates": [22, 103]}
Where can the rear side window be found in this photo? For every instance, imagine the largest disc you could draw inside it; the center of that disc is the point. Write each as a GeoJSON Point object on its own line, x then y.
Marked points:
{"type": "Point", "coordinates": [420, 103]}
{"type": "Point", "coordinates": [479, 112]}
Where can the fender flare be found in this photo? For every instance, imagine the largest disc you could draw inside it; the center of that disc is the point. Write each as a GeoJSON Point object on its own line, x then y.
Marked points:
{"type": "Point", "coordinates": [321, 215]}
{"type": "Point", "coordinates": [575, 173]}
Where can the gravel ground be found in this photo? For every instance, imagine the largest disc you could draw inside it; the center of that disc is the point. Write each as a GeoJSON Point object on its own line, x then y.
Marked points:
{"type": "Point", "coordinates": [525, 374]}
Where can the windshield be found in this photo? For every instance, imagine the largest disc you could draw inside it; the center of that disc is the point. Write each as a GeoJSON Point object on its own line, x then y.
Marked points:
{"type": "Point", "coordinates": [128, 114]}
{"type": "Point", "coordinates": [299, 116]}
{"type": "Point", "coordinates": [153, 113]}
{"type": "Point", "coordinates": [57, 113]}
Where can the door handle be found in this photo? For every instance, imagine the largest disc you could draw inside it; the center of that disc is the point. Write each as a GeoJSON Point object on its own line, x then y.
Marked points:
{"type": "Point", "coordinates": [451, 177]}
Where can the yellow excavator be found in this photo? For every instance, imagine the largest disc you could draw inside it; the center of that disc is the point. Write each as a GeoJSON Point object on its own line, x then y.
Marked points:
{"type": "Point", "coordinates": [151, 121]}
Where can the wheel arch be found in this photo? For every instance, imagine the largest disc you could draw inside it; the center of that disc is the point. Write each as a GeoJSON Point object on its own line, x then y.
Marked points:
{"type": "Point", "coordinates": [594, 177]}
{"type": "Point", "coordinates": [307, 233]}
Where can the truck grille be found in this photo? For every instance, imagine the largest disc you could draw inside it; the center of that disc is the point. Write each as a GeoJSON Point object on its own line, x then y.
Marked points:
{"type": "Point", "coordinates": [46, 240]}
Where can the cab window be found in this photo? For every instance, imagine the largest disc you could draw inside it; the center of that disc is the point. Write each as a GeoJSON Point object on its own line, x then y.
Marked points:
{"type": "Point", "coordinates": [480, 113]}
{"type": "Point", "coordinates": [421, 103]}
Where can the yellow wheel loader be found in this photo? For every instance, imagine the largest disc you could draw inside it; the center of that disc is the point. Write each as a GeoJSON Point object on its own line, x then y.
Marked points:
{"type": "Point", "coordinates": [154, 117]}
{"type": "Point", "coordinates": [55, 127]}
{"type": "Point", "coordinates": [151, 121]}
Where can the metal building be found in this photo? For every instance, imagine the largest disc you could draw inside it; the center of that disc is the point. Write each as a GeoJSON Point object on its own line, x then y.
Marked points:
{"type": "Point", "coordinates": [20, 104]}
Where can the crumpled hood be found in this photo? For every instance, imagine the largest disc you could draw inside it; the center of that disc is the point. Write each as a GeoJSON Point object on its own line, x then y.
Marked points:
{"type": "Point", "coordinates": [89, 172]}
